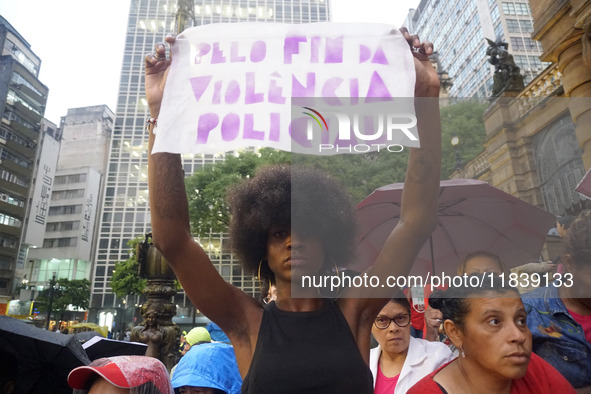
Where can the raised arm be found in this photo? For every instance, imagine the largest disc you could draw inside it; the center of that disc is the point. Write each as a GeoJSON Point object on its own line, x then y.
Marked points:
{"type": "Point", "coordinates": [210, 293]}
{"type": "Point", "coordinates": [420, 195]}
{"type": "Point", "coordinates": [418, 215]}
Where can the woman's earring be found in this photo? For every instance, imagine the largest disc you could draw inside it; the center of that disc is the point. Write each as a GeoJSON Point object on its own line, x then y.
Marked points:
{"type": "Point", "coordinates": [336, 272]}
{"type": "Point", "coordinates": [462, 352]}
{"type": "Point", "coordinates": [336, 269]}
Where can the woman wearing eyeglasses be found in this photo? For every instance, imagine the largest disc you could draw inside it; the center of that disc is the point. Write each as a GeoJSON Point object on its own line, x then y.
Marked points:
{"type": "Point", "coordinates": [400, 360]}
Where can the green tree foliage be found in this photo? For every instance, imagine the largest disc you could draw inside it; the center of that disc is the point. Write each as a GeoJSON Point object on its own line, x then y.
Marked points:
{"type": "Point", "coordinates": [206, 189]}
{"type": "Point", "coordinates": [65, 292]}
{"type": "Point", "coordinates": [463, 117]}
{"type": "Point", "coordinates": [126, 279]}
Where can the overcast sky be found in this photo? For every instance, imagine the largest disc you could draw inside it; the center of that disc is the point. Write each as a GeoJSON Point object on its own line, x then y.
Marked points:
{"type": "Point", "coordinates": [80, 42]}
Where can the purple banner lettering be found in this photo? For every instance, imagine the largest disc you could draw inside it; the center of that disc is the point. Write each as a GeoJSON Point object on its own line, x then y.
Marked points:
{"type": "Point", "coordinates": [217, 55]}
{"type": "Point", "coordinates": [299, 90]}
{"type": "Point", "coordinates": [252, 96]}
{"type": "Point", "coordinates": [199, 84]}
{"type": "Point", "coordinates": [274, 130]}
{"type": "Point", "coordinates": [207, 122]}
{"type": "Point", "coordinates": [291, 47]}
{"type": "Point", "coordinates": [234, 57]}
{"type": "Point", "coordinates": [258, 51]}
{"type": "Point", "coordinates": [202, 50]}
{"type": "Point", "coordinates": [232, 92]}
{"type": "Point", "coordinates": [275, 90]}
{"type": "Point", "coordinates": [230, 127]}
{"type": "Point", "coordinates": [249, 131]}
{"type": "Point", "coordinates": [334, 50]}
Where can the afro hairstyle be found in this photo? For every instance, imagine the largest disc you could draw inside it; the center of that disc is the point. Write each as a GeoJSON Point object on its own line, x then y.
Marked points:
{"type": "Point", "coordinates": [302, 198]}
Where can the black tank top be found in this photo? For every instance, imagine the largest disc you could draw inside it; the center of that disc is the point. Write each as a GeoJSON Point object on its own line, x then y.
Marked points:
{"type": "Point", "coordinates": [306, 352]}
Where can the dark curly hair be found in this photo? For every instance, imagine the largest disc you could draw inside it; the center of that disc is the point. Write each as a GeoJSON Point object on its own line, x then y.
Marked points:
{"type": "Point", "coordinates": [453, 302]}
{"type": "Point", "coordinates": [302, 198]}
{"type": "Point", "coordinates": [577, 242]}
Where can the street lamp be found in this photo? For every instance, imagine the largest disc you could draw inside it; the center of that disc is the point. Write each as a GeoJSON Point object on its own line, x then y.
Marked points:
{"type": "Point", "coordinates": [455, 141]}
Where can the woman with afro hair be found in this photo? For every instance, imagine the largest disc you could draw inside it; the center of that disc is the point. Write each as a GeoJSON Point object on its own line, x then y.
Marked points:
{"type": "Point", "coordinates": [288, 222]}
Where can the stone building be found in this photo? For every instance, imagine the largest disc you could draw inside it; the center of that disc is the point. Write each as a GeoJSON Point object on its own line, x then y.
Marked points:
{"type": "Point", "coordinates": [538, 143]}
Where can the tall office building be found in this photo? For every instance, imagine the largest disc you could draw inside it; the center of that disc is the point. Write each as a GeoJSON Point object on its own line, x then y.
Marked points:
{"type": "Point", "coordinates": [67, 245]}
{"type": "Point", "coordinates": [459, 29]}
{"type": "Point", "coordinates": [22, 105]}
{"type": "Point", "coordinates": [125, 213]}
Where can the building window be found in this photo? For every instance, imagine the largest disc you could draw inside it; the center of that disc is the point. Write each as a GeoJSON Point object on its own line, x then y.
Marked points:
{"type": "Point", "coordinates": [10, 221]}
{"type": "Point", "coordinates": [21, 57]}
{"type": "Point", "coordinates": [7, 198]}
{"type": "Point", "coordinates": [67, 194]}
{"type": "Point", "coordinates": [515, 9]}
{"type": "Point", "coordinates": [8, 242]}
{"type": "Point", "coordinates": [519, 26]}
{"type": "Point", "coordinates": [59, 242]}
{"type": "Point", "coordinates": [74, 178]}
{"type": "Point", "coordinates": [65, 210]}
{"type": "Point", "coordinates": [62, 226]}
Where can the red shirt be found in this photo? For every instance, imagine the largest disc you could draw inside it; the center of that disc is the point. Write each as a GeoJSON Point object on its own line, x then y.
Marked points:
{"type": "Point", "coordinates": [584, 321]}
{"type": "Point", "coordinates": [540, 378]}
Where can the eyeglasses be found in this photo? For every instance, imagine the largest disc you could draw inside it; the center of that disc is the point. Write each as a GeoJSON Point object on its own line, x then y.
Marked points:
{"type": "Point", "coordinates": [383, 322]}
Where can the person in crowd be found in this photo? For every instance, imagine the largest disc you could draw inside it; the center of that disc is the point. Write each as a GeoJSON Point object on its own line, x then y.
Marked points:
{"type": "Point", "coordinates": [304, 344]}
{"type": "Point", "coordinates": [194, 337]}
{"type": "Point", "coordinates": [487, 323]}
{"type": "Point", "coordinates": [563, 223]}
{"type": "Point", "coordinates": [121, 374]}
{"type": "Point", "coordinates": [209, 368]}
{"type": "Point", "coordinates": [559, 316]}
{"type": "Point", "coordinates": [400, 360]}
{"type": "Point", "coordinates": [270, 294]}
{"type": "Point", "coordinates": [478, 262]}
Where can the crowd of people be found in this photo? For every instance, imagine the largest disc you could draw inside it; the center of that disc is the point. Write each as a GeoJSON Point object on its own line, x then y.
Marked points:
{"type": "Point", "coordinates": [498, 342]}
{"type": "Point", "coordinates": [494, 340]}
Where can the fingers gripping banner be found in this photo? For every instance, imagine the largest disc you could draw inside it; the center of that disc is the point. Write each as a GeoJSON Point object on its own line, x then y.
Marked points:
{"type": "Point", "coordinates": [231, 85]}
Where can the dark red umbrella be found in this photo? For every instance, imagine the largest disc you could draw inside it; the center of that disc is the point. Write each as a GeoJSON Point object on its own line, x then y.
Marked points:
{"type": "Point", "coordinates": [584, 186]}
{"type": "Point", "coordinates": [473, 215]}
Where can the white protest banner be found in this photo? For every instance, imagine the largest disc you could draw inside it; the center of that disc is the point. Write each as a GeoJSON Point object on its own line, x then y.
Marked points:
{"type": "Point", "coordinates": [231, 85]}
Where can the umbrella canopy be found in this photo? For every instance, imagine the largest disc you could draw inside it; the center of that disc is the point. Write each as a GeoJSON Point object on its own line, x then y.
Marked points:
{"type": "Point", "coordinates": [216, 333]}
{"type": "Point", "coordinates": [584, 186]}
{"type": "Point", "coordinates": [99, 347]}
{"type": "Point", "coordinates": [472, 216]}
{"type": "Point", "coordinates": [43, 358]}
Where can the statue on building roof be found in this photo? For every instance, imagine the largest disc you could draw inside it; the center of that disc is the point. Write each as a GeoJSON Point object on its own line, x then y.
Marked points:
{"type": "Point", "coordinates": [507, 75]}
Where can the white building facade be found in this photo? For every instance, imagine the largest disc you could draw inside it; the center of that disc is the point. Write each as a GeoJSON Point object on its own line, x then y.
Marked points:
{"type": "Point", "coordinates": [459, 29]}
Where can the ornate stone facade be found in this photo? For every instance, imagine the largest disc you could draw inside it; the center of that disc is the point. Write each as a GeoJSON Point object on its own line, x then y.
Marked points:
{"type": "Point", "coordinates": [538, 143]}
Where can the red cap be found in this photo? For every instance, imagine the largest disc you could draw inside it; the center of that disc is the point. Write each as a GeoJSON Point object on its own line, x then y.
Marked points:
{"type": "Point", "coordinates": [124, 372]}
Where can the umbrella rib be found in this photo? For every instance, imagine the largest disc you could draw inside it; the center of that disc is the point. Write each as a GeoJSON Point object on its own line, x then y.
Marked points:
{"type": "Point", "coordinates": [371, 231]}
